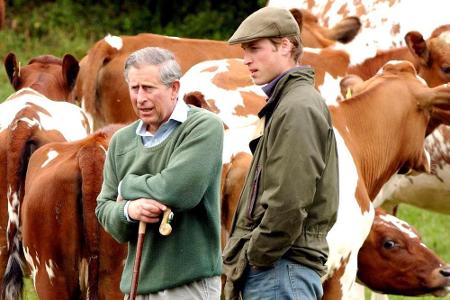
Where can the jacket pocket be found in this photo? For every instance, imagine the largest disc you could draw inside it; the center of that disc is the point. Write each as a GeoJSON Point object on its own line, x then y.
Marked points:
{"type": "Point", "coordinates": [254, 192]}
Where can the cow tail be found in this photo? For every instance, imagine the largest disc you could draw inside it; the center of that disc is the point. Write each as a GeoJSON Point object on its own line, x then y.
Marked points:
{"type": "Point", "coordinates": [12, 284]}
{"type": "Point", "coordinates": [90, 160]}
{"type": "Point", "coordinates": [98, 56]}
{"type": "Point", "coordinates": [20, 148]}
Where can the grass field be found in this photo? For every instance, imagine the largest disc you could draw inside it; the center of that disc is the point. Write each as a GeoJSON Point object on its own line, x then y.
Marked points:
{"type": "Point", "coordinates": [433, 227]}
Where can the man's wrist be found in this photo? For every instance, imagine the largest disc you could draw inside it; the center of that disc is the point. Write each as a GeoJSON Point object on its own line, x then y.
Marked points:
{"type": "Point", "coordinates": [125, 212]}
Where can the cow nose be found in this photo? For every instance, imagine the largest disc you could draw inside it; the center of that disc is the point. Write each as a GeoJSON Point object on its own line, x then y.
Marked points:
{"type": "Point", "coordinates": [445, 271]}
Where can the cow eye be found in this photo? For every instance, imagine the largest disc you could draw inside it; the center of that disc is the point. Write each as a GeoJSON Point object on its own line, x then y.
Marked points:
{"type": "Point", "coordinates": [389, 244]}
{"type": "Point", "coordinates": [445, 70]}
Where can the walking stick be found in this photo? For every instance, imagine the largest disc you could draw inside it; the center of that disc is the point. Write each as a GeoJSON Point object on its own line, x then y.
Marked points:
{"type": "Point", "coordinates": [165, 229]}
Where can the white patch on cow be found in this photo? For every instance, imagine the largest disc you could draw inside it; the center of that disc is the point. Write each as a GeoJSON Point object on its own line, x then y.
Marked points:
{"type": "Point", "coordinates": [50, 268]}
{"type": "Point", "coordinates": [83, 278]}
{"type": "Point", "coordinates": [89, 116]}
{"type": "Point", "coordinates": [427, 191]}
{"type": "Point", "coordinates": [445, 37]}
{"type": "Point", "coordinates": [352, 226]}
{"type": "Point", "coordinates": [51, 155]}
{"type": "Point", "coordinates": [31, 264]}
{"type": "Point", "coordinates": [237, 140]}
{"type": "Point", "coordinates": [64, 117]}
{"type": "Point", "coordinates": [13, 208]}
{"type": "Point", "coordinates": [173, 37]}
{"type": "Point", "coordinates": [330, 89]}
{"type": "Point", "coordinates": [312, 50]}
{"type": "Point", "coordinates": [103, 148]}
{"type": "Point", "coordinates": [114, 41]}
{"type": "Point", "coordinates": [400, 225]}
{"type": "Point", "coordinates": [199, 79]}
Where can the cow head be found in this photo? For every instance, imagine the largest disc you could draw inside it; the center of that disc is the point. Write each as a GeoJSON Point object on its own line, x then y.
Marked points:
{"type": "Point", "coordinates": [394, 260]}
{"type": "Point", "coordinates": [432, 55]}
{"type": "Point", "coordinates": [47, 74]}
{"type": "Point", "coordinates": [316, 36]}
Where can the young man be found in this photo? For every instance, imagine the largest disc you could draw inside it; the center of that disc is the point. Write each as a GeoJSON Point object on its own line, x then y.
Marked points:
{"type": "Point", "coordinates": [170, 157]}
{"type": "Point", "coordinates": [277, 247]}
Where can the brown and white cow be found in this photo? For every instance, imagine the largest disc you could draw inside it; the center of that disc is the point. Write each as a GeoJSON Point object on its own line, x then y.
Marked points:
{"type": "Point", "coordinates": [430, 57]}
{"type": "Point", "coordinates": [384, 22]}
{"type": "Point", "coordinates": [47, 74]}
{"type": "Point", "coordinates": [101, 88]}
{"type": "Point", "coordinates": [69, 254]}
{"type": "Point", "coordinates": [376, 137]}
{"type": "Point", "coordinates": [28, 120]}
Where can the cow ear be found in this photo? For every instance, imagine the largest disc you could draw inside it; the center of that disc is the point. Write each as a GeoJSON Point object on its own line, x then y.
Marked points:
{"type": "Point", "coordinates": [196, 99]}
{"type": "Point", "coordinates": [418, 47]}
{"type": "Point", "coordinates": [12, 68]}
{"type": "Point", "coordinates": [298, 16]}
{"type": "Point", "coordinates": [70, 68]}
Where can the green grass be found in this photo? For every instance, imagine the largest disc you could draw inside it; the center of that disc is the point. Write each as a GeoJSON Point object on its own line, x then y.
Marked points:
{"type": "Point", "coordinates": [432, 226]}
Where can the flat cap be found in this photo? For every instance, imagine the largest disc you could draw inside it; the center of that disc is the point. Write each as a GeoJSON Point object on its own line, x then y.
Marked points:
{"type": "Point", "coordinates": [266, 22]}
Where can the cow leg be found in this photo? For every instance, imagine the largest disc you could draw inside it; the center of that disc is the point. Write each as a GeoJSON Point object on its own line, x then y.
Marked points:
{"type": "Point", "coordinates": [51, 284]}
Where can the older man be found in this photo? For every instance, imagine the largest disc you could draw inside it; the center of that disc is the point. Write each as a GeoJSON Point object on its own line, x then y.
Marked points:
{"type": "Point", "coordinates": [170, 157]}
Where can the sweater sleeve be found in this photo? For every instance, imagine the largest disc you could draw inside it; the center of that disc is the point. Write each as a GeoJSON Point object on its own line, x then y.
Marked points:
{"type": "Point", "coordinates": [191, 169]}
{"type": "Point", "coordinates": [109, 212]}
{"type": "Point", "coordinates": [296, 157]}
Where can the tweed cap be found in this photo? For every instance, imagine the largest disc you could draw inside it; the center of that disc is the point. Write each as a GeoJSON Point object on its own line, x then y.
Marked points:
{"type": "Point", "coordinates": [266, 22]}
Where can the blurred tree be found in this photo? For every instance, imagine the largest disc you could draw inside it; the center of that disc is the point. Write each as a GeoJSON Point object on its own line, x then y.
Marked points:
{"type": "Point", "coordinates": [215, 19]}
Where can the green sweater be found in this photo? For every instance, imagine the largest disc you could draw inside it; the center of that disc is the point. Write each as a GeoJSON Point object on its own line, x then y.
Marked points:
{"type": "Point", "coordinates": [182, 172]}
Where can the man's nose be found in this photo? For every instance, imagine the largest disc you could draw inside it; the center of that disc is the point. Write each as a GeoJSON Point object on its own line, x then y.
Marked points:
{"type": "Point", "coordinates": [141, 97]}
{"type": "Point", "coordinates": [247, 59]}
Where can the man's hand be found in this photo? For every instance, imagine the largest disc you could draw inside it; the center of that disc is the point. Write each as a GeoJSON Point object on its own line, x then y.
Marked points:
{"type": "Point", "coordinates": [146, 210]}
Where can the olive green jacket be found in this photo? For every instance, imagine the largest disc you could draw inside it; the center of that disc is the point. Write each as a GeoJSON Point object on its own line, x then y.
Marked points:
{"type": "Point", "coordinates": [290, 198]}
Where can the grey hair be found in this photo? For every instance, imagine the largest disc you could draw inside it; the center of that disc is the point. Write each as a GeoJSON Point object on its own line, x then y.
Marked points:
{"type": "Point", "coordinates": [169, 69]}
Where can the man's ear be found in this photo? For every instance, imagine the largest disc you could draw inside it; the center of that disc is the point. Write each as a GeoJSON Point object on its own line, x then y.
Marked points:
{"type": "Point", "coordinates": [175, 88]}
{"type": "Point", "coordinates": [286, 46]}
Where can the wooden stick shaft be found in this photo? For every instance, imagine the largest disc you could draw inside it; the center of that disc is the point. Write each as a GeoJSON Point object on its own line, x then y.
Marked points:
{"type": "Point", "coordinates": [137, 260]}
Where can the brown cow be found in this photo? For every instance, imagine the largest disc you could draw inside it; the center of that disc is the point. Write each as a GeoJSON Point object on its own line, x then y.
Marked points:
{"type": "Point", "coordinates": [79, 259]}
{"type": "Point", "coordinates": [101, 88]}
{"type": "Point", "coordinates": [28, 120]}
{"type": "Point", "coordinates": [46, 74]}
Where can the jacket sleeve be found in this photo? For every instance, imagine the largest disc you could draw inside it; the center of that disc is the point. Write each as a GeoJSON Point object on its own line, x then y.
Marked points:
{"type": "Point", "coordinates": [192, 166]}
{"type": "Point", "coordinates": [298, 139]}
{"type": "Point", "coordinates": [109, 212]}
